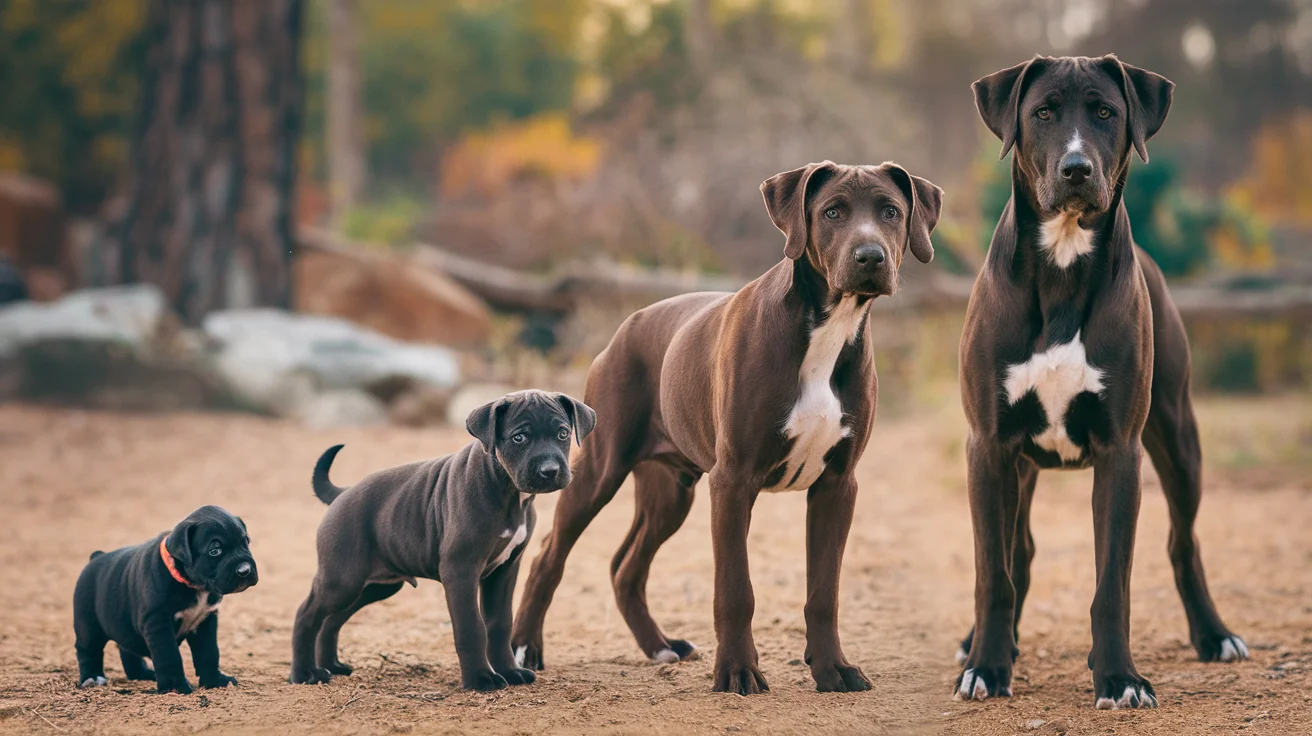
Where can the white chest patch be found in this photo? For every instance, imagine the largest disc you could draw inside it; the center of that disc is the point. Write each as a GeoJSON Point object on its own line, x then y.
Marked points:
{"type": "Point", "coordinates": [190, 618]}
{"type": "Point", "coordinates": [1057, 375]}
{"type": "Point", "coordinates": [816, 421]}
{"type": "Point", "coordinates": [1064, 240]}
{"type": "Point", "coordinates": [516, 538]}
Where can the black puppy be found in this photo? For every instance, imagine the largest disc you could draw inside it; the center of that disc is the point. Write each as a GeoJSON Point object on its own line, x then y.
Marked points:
{"type": "Point", "coordinates": [462, 519]}
{"type": "Point", "coordinates": [148, 598]}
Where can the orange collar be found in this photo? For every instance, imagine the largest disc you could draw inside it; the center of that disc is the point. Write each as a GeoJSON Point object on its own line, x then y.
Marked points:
{"type": "Point", "coordinates": [171, 565]}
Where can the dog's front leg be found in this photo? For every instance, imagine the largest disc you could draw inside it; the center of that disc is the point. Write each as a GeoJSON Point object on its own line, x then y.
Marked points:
{"type": "Point", "coordinates": [829, 508]}
{"type": "Point", "coordinates": [204, 645]}
{"type": "Point", "coordinates": [161, 639]}
{"type": "Point", "coordinates": [736, 661]}
{"type": "Point", "coordinates": [994, 499]}
{"type": "Point", "coordinates": [498, 591]}
{"type": "Point", "coordinates": [461, 583]}
{"type": "Point", "coordinates": [1115, 516]}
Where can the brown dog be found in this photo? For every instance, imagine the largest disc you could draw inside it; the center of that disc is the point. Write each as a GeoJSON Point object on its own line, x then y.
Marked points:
{"type": "Point", "coordinates": [1071, 355]}
{"type": "Point", "coordinates": [771, 388]}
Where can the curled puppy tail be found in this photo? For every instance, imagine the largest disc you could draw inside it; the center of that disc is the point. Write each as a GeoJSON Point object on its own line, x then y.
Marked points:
{"type": "Point", "coordinates": [324, 488]}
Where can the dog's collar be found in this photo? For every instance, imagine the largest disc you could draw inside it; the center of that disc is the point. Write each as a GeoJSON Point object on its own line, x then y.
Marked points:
{"type": "Point", "coordinates": [171, 565]}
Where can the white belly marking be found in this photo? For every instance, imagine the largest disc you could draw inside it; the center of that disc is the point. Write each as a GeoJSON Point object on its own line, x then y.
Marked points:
{"type": "Point", "coordinates": [191, 618]}
{"type": "Point", "coordinates": [1064, 240]}
{"type": "Point", "coordinates": [816, 421]}
{"type": "Point", "coordinates": [517, 539]}
{"type": "Point", "coordinates": [1056, 376]}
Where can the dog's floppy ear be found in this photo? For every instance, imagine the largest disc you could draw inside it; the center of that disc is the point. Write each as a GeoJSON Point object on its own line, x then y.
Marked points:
{"type": "Point", "coordinates": [1147, 100]}
{"type": "Point", "coordinates": [785, 200]}
{"type": "Point", "coordinates": [926, 202]}
{"type": "Point", "coordinates": [178, 543]}
{"type": "Point", "coordinates": [582, 418]}
{"type": "Point", "coordinates": [997, 98]}
{"type": "Point", "coordinates": [482, 423]}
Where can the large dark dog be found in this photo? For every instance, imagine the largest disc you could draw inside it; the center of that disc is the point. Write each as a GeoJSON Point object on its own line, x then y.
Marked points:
{"type": "Point", "coordinates": [1072, 355]}
{"type": "Point", "coordinates": [462, 519]}
{"type": "Point", "coordinates": [149, 598]}
{"type": "Point", "coordinates": [769, 389]}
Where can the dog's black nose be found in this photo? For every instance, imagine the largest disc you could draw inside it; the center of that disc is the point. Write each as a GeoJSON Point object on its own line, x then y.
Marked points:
{"type": "Point", "coordinates": [1076, 167]}
{"type": "Point", "coordinates": [245, 569]}
{"type": "Point", "coordinates": [548, 471]}
{"type": "Point", "coordinates": [869, 256]}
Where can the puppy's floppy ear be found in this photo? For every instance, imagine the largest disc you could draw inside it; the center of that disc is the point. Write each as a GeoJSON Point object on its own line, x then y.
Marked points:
{"type": "Point", "coordinates": [178, 543]}
{"type": "Point", "coordinates": [926, 202]}
{"type": "Point", "coordinates": [997, 98]}
{"type": "Point", "coordinates": [1147, 100]}
{"type": "Point", "coordinates": [582, 418]}
{"type": "Point", "coordinates": [785, 200]}
{"type": "Point", "coordinates": [482, 423]}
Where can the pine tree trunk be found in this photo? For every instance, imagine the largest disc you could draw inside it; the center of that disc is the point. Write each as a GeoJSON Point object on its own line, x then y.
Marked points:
{"type": "Point", "coordinates": [207, 205]}
{"type": "Point", "coordinates": [346, 162]}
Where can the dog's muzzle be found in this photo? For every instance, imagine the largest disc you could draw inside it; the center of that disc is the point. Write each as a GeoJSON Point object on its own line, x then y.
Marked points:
{"type": "Point", "coordinates": [243, 576]}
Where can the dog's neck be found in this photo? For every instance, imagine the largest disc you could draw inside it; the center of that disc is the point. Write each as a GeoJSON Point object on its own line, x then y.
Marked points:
{"type": "Point", "coordinates": [808, 287]}
{"type": "Point", "coordinates": [1061, 283]}
{"type": "Point", "coordinates": [504, 480]}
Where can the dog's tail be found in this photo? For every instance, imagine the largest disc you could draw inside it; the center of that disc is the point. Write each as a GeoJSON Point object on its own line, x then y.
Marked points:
{"type": "Point", "coordinates": [324, 488]}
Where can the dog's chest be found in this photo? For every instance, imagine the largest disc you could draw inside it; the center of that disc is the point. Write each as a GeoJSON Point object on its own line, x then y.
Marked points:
{"type": "Point", "coordinates": [815, 423]}
{"type": "Point", "coordinates": [189, 619]}
{"type": "Point", "coordinates": [513, 539]}
{"type": "Point", "coordinates": [1055, 377]}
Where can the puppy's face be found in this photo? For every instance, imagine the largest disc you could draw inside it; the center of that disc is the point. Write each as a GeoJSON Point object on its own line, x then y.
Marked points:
{"type": "Point", "coordinates": [853, 223]}
{"type": "Point", "coordinates": [529, 434]}
{"type": "Point", "coordinates": [1073, 121]}
{"type": "Point", "coordinates": [212, 550]}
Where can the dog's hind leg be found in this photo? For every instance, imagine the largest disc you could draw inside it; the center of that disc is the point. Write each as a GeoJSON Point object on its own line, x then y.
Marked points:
{"type": "Point", "coordinates": [1022, 550]}
{"type": "Point", "coordinates": [90, 648]}
{"type": "Point", "coordinates": [135, 667]}
{"type": "Point", "coordinates": [326, 642]}
{"type": "Point", "coordinates": [598, 474]}
{"type": "Point", "coordinates": [663, 495]}
{"type": "Point", "coordinates": [326, 599]}
{"type": "Point", "coordinates": [1171, 438]}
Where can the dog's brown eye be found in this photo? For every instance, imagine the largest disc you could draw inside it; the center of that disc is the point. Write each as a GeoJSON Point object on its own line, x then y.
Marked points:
{"type": "Point", "coordinates": [831, 213]}
{"type": "Point", "coordinates": [563, 433]}
{"type": "Point", "coordinates": [890, 213]}
{"type": "Point", "coordinates": [1043, 113]}
{"type": "Point", "coordinates": [1104, 112]}
{"type": "Point", "coordinates": [518, 438]}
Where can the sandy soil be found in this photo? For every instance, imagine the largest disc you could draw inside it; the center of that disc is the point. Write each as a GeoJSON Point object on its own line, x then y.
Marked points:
{"type": "Point", "coordinates": [74, 482]}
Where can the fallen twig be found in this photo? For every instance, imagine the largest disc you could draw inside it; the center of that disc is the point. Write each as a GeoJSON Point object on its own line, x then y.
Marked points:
{"type": "Point", "coordinates": [47, 720]}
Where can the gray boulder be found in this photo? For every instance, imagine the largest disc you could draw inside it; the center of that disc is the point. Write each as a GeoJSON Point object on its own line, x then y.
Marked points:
{"type": "Point", "coordinates": [284, 363]}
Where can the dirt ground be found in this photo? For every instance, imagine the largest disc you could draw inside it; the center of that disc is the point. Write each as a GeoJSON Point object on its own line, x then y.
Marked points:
{"type": "Point", "coordinates": [74, 482]}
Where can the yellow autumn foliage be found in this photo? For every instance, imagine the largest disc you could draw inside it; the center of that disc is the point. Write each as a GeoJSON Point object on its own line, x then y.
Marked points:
{"type": "Point", "coordinates": [1278, 184]}
{"type": "Point", "coordinates": [484, 162]}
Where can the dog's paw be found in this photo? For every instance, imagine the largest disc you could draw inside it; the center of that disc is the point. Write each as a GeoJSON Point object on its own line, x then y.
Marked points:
{"type": "Point", "coordinates": [982, 683]}
{"type": "Point", "coordinates": [313, 676]}
{"type": "Point", "coordinates": [339, 668]}
{"type": "Point", "coordinates": [840, 678]}
{"type": "Point", "coordinates": [518, 676]}
{"type": "Point", "coordinates": [96, 681]}
{"type": "Point", "coordinates": [684, 648]}
{"type": "Point", "coordinates": [529, 656]}
{"type": "Point", "coordinates": [484, 681]}
{"type": "Point", "coordinates": [219, 680]}
{"type": "Point", "coordinates": [1116, 693]}
{"type": "Point", "coordinates": [739, 679]}
{"type": "Point", "coordinates": [179, 686]}
{"type": "Point", "coordinates": [1222, 648]}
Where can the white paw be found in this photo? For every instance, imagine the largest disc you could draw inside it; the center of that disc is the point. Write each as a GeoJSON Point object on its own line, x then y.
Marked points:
{"type": "Point", "coordinates": [962, 656]}
{"type": "Point", "coordinates": [519, 655]}
{"type": "Point", "coordinates": [973, 687]}
{"type": "Point", "coordinates": [98, 681]}
{"type": "Point", "coordinates": [1233, 649]}
{"type": "Point", "coordinates": [665, 656]}
{"type": "Point", "coordinates": [1134, 696]}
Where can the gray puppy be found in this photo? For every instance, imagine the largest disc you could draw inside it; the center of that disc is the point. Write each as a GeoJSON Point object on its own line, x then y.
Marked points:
{"type": "Point", "coordinates": [462, 519]}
